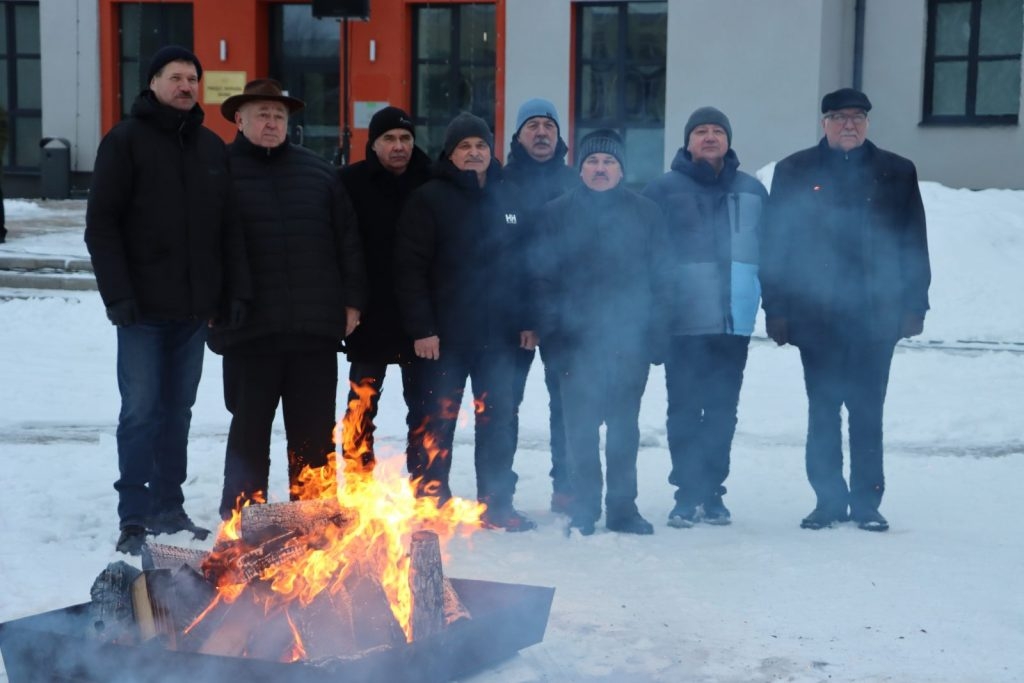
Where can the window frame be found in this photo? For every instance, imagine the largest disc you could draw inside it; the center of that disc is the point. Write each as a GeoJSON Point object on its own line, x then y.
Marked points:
{"type": "Point", "coordinates": [15, 113]}
{"type": "Point", "coordinates": [972, 59]}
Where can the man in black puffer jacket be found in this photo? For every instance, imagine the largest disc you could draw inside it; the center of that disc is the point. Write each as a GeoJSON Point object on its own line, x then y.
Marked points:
{"type": "Point", "coordinates": [378, 186]}
{"type": "Point", "coordinates": [537, 172]}
{"type": "Point", "coordinates": [461, 281]}
{"type": "Point", "coordinates": [166, 252]}
{"type": "Point", "coordinates": [309, 285]}
{"type": "Point", "coordinates": [601, 283]}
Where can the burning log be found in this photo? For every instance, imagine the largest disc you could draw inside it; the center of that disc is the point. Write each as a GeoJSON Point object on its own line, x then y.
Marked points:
{"type": "Point", "coordinates": [162, 556]}
{"type": "Point", "coordinates": [111, 606]}
{"type": "Point", "coordinates": [454, 609]}
{"type": "Point", "coordinates": [302, 516]}
{"type": "Point", "coordinates": [426, 580]}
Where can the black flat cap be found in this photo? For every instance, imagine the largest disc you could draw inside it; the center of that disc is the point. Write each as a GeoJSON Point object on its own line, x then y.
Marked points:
{"type": "Point", "coordinates": [845, 98]}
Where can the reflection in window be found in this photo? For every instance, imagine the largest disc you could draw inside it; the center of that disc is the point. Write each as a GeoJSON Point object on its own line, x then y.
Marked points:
{"type": "Point", "coordinates": [973, 61]}
{"type": "Point", "coordinates": [453, 68]}
{"type": "Point", "coordinates": [20, 83]}
{"type": "Point", "coordinates": [620, 79]}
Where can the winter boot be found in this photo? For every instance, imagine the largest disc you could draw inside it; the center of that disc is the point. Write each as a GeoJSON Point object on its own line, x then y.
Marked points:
{"type": "Point", "coordinates": [506, 517]}
{"type": "Point", "coordinates": [822, 517]}
{"type": "Point", "coordinates": [683, 516]}
{"type": "Point", "coordinates": [175, 521]}
{"type": "Point", "coordinates": [870, 520]}
{"type": "Point", "coordinates": [633, 524]}
{"type": "Point", "coordinates": [715, 512]}
{"type": "Point", "coordinates": [131, 540]}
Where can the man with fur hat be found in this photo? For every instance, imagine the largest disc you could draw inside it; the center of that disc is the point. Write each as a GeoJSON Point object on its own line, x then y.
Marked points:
{"type": "Point", "coordinates": [714, 216]}
{"type": "Point", "coordinates": [461, 284]}
{"type": "Point", "coordinates": [379, 187]}
{"type": "Point", "coordinates": [167, 253]}
{"type": "Point", "coordinates": [601, 285]}
{"type": "Point", "coordinates": [309, 286]}
{"type": "Point", "coordinates": [845, 274]}
{"type": "Point", "coordinates": [537, 172]}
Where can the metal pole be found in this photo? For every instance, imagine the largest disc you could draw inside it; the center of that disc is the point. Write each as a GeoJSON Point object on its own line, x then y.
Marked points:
{"type": "Point", "coordinates": [346, 131]}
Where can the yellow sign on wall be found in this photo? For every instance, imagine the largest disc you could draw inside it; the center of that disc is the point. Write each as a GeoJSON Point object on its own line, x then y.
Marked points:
{"type": "Point", "coordinates": [220, 85]}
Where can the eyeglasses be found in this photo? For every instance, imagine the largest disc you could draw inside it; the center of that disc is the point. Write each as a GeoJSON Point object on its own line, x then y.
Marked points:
{"type": "Point", "coordinates": [842, 119]}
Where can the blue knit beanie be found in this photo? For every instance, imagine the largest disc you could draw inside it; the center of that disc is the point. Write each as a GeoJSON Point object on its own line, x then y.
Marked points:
{"type": "Point", "coordinates": [536, 107]}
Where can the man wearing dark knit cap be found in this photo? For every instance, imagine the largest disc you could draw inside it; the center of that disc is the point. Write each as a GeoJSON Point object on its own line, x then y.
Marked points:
{"type": "Point", "coordinates": [601, 286]}
{"type": "Point", "coordinates": [537, 172]}
{"type": "Point", "coordinates": [714, 216]}
{"type": "Point", "coordinates": [379, 187]}
{"type": "Point", "coordinates": [845, 275]}
{"type": "Point", "coordinates": [461, 281]}
{"type": "Point", "coordinates": [168, 254]}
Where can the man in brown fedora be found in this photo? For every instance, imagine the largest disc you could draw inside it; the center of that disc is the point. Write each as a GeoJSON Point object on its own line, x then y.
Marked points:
{"type": "Point", "coordinates": [308, 288]}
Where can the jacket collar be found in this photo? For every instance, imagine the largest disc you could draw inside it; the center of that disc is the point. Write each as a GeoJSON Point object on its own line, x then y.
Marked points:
{"type": "Point", "coordinates": [518, 156]}
{"type": "Point", "coordinates": [243, 145]}
{"type": "Point", "coordinates": [702, 172]}
{"type": "Point", "coordinates": [147, 108]}
{"type": "Point", "coordinates": [445, 170]}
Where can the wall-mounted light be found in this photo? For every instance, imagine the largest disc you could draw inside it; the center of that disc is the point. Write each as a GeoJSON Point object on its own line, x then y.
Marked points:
{"type": "Point", "coordinates": [223, 50]}
{"type": "Point", "coordinates": [373, 50]}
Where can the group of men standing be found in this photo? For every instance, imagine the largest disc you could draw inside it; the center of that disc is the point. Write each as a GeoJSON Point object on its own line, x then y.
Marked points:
{"type": "Point", "coordinates": [462, 268]}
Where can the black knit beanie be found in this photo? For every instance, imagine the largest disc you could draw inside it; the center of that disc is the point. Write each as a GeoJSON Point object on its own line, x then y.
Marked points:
{"type": "Point", "coordinates": [172, 53]}
{"type": "Point", "coordinates": [387, 119]}
{"type": "Point", "coordinates": [707, 115]}
{"type": "Point", "coordinates": [463, 126]}
{"type": "Point", "coordinates": [603, 141]}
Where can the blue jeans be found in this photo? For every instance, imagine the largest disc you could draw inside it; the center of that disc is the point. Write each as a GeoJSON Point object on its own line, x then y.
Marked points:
{"type": "Point", "coordinates": [158, 370]}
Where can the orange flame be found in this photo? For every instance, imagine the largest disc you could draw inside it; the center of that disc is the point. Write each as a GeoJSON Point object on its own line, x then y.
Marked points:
{"type": "Point", "coordinates": [385, 511]}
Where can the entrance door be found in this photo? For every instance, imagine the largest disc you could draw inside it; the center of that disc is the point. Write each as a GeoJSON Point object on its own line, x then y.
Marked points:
{"type": "Point", "coordinates": [304, 57]}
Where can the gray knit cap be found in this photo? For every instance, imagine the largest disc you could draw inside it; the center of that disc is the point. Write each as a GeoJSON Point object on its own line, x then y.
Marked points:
{"type": "Point", "coordinates": [603, 141]}
{"type": "Point", "coordinates": [463, 126]}
{"type": "Point", "coordinates": [706, 115]}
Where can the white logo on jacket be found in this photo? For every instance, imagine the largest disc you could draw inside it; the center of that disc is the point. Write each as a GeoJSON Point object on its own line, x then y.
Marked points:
{"type": "Point", "coordinates": [510, 218]}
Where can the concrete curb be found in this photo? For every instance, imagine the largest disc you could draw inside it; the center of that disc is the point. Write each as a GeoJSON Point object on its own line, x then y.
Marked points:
{"type": "Point", "coordinates": [23, 280]}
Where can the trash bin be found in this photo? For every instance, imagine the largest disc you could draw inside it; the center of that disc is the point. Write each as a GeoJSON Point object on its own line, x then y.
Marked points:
{"type": "Point", "coordinates": [55, 168]}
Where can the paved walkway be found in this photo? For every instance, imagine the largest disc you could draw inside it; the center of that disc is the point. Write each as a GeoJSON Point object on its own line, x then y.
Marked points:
{"type": "Point", "coordinates": [45, 247]}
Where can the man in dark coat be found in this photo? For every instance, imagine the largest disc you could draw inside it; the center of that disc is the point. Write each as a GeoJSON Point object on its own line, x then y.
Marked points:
{"type": "Point", "coordinates": [602, 289]}
{"type": "Point", "coordinates": [379, 186]}
{"type": "Point", "coordinates": [537, 173]}
{"type": "Point", "coordinates": [167, 253]}
{"type": "Point", "coordinates": [845, 275]}
{"type": "Point", "coordinates": [309, 286]}
{"type": "Point", "coordinates": [461, 284]}
{"type": "Point", "coordinates": [714, 215]}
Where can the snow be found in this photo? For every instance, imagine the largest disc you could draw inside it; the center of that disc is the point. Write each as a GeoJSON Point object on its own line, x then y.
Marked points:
{"type": "Point", "coordinates": [939, 598]}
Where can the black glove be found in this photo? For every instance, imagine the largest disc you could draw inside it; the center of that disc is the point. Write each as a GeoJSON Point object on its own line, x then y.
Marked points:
{"type": "Point", "coordinates": [123, 313]}
{"type": "Point", "coordinates": [777, 330]}
{"type": "Point", "coordinates": [237, 313]}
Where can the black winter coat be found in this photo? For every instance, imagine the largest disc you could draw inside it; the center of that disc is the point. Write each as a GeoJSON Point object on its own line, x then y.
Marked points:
{"type": "Point", "coordinates": [538, 182]}
{"type": "Point", "coordinates": [459, 260]}
{"type": "Point", "coordinates": [602, 279]}
{"type": "Point", "coordinates": [844, 248]}
{"type": "Point", "coordinates": [378, 197]}
{"type": "Point", "coordinates": [159, 224]}
{"type": "Point", "coordinates": [302, 242]}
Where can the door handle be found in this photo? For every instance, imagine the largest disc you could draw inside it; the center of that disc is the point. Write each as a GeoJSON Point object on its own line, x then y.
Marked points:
{"type": "Point", "coordinates": [300, 134]}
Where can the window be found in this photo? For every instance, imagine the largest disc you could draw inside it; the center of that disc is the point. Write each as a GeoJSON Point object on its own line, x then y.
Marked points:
{"type": "Point", "coordinates": [453, 68]}
{"type": "Point", "coordinates": [620, 79]}
{"type": "Point", "coordinates": [145, 28]}
{"type": "Point", "coordinates": [973, 61]}
{"type": "Point", "coordinates": [21, 84]}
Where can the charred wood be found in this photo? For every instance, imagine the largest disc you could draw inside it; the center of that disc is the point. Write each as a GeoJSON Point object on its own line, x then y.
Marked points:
{"type": "Point", "coordinates": [260, 522]}
{"type": "Point", "coordinates": [426, 581]}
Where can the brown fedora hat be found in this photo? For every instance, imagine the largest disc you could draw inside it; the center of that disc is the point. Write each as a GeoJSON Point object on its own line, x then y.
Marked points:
{"type": "Point", "coordinates": [260, 89]}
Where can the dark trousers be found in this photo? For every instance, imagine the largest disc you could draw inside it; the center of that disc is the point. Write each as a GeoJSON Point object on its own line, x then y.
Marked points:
{"type": "Point", "coordinates": [855, 374]}
{"type": "Point", "coordinates": [305, 383]}
{"type": "Point", "coordinates": [703, 376]}
{"type": "Point", "coordinates": [370, 374]}
{"type": "Point", "coordinates": [559, 469]}
{"type": "Point", "coordinates": [594, 391]}
{"type": "Point", "coordinates": [490, 371]}
{"type": "Point", "coordinates": [158, 369]}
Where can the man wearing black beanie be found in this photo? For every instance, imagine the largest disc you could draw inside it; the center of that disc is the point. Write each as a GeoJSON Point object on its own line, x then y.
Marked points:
{"type": "Point", "coordinates": [379, 187]}
{"type": "Point", "coordinates": [461, 281]}
{"type": "Point", "coordinates": [714, 216]}
{"type": "Point", "coordinates": [169, 258]}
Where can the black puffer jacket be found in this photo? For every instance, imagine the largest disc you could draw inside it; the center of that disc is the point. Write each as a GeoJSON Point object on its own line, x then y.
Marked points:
{"type": "Point", "coordinates": [302, 242]}
{"type": "Point", "coordinates": [378, 197]}
{"type": "Point", "coordinates": [460, 265]}
{"type": "Point", "coordinates": [158, 224]}
{"type": "Point", "coordinates": [602, 280]}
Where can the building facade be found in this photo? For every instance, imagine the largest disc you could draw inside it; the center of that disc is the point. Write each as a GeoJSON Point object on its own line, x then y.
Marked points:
{"type": "Point", "coordinates": [944, 75]}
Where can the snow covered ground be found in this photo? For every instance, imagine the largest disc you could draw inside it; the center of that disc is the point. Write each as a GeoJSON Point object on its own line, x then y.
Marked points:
{"type": "Point", "coordinates": [940, 598]}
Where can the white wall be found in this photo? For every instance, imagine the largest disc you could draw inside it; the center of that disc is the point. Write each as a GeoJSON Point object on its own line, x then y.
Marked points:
{"type": "Point", "coordinates": [70, 74]}
{"type": "Point", "coordinates": [959, 156]}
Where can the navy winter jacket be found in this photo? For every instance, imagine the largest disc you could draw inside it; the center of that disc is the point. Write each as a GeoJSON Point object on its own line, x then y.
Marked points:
{"type": "Point", "coordinates": [714, 226]}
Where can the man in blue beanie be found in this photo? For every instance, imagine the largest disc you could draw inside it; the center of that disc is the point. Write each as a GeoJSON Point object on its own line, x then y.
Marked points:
{"type": "Point", "coordinates": [537, 173]}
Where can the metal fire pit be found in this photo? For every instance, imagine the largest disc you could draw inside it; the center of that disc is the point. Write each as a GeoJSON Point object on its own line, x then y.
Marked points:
{"type": "Point", "coordinates": [56, 647]}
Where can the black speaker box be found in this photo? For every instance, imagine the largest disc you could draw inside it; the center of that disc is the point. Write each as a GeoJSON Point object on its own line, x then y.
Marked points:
{"type": "Point", "coordinates": [342, 9]}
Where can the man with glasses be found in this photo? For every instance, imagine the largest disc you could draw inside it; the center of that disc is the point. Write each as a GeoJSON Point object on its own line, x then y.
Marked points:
{"type": "Point", "coordinates": [845, 275]}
